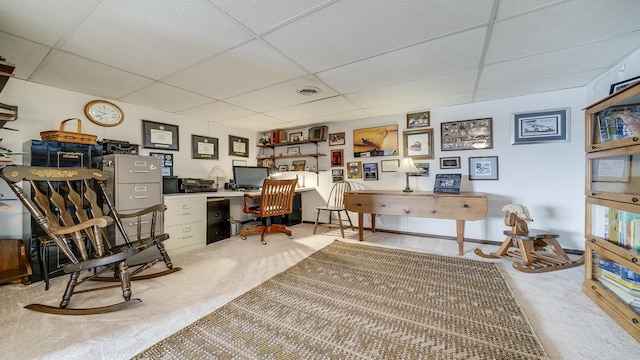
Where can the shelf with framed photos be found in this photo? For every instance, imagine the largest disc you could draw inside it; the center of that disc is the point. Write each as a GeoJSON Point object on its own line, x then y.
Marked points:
{"type": "Point", "coordinates": [612, 207]}
{"type": "Point", "coordinates": [295, 147]}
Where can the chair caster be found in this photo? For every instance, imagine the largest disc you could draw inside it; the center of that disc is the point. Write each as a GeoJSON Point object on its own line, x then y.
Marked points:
{"type": "Point", "coordinates": [290, 237]}
{"type": "Point", "coordinates": [264, 242]}
{"type": "Point", "coordinates": [243, 237]}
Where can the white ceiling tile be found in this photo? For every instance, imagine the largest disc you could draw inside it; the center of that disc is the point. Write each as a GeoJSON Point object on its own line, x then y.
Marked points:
{"type": "Point", "coordinates": [281, 95]}
{"type": "Point", "coordinates": [559, 63]}
{"type": "Point", "coordinates": [352, 30]}
{"type": "Point", "coordinates": [444, 55]}
{"type": "Point", "coordinates": [251, 66]}
{"type": "Point", "coordinates": [216, 111]}
{"type": "Point", "coordinates": [419, 105]}
{"type": "Point", "coordinates": [154, 38]}
{"type": "Point", "coordinates": [568, 24]}
{"type": "Point", "coordinates": [422, 90]}
{"type": "Point", "coordinates": [262, 15]}
{"type": "Point", "coordinates": [314, 109]}
{"type": "Point", "coordinates": [537, 86]}
{"type": "Point", "coordinates": [257, 122]}
{"type": "Point", "coordinates": [508, 8]}
{"type": "Point", "coordinates": [25, 53]}
{"type": "Point", "coordinates": [70, 72]}
{"type": "Point", "coordinates": [165, 97]}
{"type": "Point", "coordinates": [45, 22]}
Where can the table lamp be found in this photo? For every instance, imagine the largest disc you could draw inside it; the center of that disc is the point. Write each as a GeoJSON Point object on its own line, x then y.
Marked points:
{"type": "Point", "coordinates": [217, 173]}
{"type": "Point", "coordinates": [274, 172]}
{"type": "Point", "coordinates": [407, 166]}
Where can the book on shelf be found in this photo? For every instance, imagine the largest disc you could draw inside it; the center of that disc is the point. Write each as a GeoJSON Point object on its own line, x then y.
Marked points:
{"type": "Point", "coordinates": [629, 298]}
{"type": "Point", "coordinates": [613, 270]}
{"type": "Point", "coordinates": [618, 226]}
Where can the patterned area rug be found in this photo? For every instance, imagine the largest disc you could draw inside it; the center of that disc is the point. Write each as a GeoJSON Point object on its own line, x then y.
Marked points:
{"type": "Point", "coordinates": [352, 301]}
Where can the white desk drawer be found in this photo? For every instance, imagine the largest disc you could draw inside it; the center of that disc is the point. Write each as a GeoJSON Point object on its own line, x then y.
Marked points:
{"type": "Point", "coordinates": [186, 235]}
{"type": "Point", "coordinates": [185, 211]}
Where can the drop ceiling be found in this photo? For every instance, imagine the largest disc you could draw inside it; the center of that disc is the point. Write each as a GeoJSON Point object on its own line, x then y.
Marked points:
{"type": "Point", "coordinates": [240, 62]}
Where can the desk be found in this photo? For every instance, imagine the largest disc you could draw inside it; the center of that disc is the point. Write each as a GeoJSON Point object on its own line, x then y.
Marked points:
{"type": "Point", "coordinates": [458, 207]}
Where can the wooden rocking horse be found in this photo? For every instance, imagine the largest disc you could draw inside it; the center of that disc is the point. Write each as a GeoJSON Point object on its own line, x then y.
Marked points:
{"type": "Point", "coordinates": [530, 252]}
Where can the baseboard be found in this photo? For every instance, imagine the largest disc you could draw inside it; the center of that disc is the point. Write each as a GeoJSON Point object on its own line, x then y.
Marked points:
{"type": "Point", "coordinates": [452, 238]}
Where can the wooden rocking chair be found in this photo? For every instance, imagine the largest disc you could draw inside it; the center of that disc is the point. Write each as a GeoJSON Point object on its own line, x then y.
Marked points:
{"type": "Point", "coordinates": [530, 253]}
{"type": "Point", "coordinates": [73, 219]}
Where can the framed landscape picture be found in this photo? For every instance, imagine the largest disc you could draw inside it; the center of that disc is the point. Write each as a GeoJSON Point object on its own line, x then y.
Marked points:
{"type": "Point", "coordinates": [540, 126]}
{"type": "Point", "coordinates": [375, 141]}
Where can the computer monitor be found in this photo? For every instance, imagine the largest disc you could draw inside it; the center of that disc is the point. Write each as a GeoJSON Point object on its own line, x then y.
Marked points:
{"type": "Point", "coordinates": [249, 177]}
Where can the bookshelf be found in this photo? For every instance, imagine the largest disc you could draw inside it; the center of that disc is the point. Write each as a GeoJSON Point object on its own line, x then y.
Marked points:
{"type": "Point", "coordinates": [289, 146]}
{"type": "Point", "coordinates": [612, 207]}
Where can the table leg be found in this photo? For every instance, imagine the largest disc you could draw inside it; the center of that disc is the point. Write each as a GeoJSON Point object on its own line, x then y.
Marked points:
{"type": "Point", "coordinates": [360, 225]}
{"type": "Point", "coordinates": [373, 223]}
{"type": "Point", "coordinates": [460, 236]}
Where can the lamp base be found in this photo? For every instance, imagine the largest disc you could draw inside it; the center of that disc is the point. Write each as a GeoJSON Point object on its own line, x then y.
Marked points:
{"type": "Point", "coordinates": [407, 190]}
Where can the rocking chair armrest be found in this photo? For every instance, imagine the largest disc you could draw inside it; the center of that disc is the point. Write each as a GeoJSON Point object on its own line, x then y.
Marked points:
{"type": "Point", "coordinates": [101, 222]}
{"type": "Point", "coordinates": [159, 207]}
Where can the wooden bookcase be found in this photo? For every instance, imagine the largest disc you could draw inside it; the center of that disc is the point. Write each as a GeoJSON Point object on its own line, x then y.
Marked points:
{"type": "Point", "coordinates": [612, 207]}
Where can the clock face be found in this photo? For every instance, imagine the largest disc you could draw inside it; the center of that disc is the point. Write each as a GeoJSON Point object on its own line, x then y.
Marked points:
{"type": "Point", "coordinates": [104, 113]}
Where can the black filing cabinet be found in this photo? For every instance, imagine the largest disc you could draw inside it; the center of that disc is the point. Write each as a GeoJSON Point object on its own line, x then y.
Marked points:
{"type": "Point", "coordinates": [218, 219]}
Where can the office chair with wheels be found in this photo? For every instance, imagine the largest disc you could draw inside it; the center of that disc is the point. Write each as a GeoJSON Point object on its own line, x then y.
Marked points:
{"type": "Point", "coordinates": [335, 203]}
{"type": "Point", "coordinates": [66, 206]}
{"type": "Point", "coordinates": [275, 199]}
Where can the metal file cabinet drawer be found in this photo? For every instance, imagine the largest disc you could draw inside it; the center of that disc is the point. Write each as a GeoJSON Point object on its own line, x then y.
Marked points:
{"type": "Point", "coordinates": [138, 196]}
{"type": "Point", "coordinates": [137, 169]}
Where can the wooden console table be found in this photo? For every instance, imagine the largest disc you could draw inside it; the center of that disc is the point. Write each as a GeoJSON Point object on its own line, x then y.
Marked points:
{"type": "Point", "coordinates": [458, 207]}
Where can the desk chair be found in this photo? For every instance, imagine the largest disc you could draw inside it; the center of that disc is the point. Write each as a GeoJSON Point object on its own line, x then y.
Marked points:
{"type": "Point", "coordinates": [65, 204]}
{"type": "Point", "coordinates": [275, 199]}
{"type": "Point", "coordinates": [530, 252]}
{"type": "Point", "coordinates": [335, 203]}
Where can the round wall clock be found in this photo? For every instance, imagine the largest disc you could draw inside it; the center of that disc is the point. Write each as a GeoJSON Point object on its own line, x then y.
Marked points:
{"type": "Point", "coordinates": [103, 113]}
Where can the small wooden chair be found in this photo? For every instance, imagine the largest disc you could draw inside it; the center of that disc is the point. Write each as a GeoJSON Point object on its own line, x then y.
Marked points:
{"type": "Point", "coordinates": [275, 199]}
{"type": "Point", "coordinates": [335, 203]}
{"type": "Point", "coordinates": [530, 254]}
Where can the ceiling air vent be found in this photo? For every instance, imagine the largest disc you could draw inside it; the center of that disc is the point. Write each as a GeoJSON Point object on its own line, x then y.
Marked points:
{"type": "Point", "coordinates": [308, 90]}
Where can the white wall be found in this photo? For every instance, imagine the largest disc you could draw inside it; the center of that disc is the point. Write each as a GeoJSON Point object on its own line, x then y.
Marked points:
{"type": "Point", "coordinates": [547, 178]}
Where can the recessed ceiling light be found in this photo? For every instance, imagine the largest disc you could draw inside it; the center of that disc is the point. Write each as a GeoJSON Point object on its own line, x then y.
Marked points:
{"type": "Point", "coordinates": [308, 90]}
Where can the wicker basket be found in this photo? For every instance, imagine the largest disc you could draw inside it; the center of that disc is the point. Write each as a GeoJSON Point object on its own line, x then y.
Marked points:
{"type": "Point", "coordinates": [67, 136]}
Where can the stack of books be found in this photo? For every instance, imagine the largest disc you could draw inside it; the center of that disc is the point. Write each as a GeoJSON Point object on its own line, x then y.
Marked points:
{"type": "Point", "coordinates": [624, 283]}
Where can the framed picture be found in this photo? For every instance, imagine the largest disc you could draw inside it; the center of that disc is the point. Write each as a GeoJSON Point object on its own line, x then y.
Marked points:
{"type": "Point", "coordinates": [336, 139]}
{"type": "Point", "coordinates": [238, 146]}
{"type": "Point", "coordinates": [424, 169]}
{"type": "Point", "coordinates": [623, 84]}
{"type": "Point", "coordinates": [376, 141]}
{"type": "Point", "coordinates": [389, 165]}
{"type": "Point", "coordinates": [337, 175]}
{"type": "Point", "coordinates": [239, 163]}
{"type": "Point", "coordinates": [203, 147]}
{"type": "Point", "coordinates": [418, 144]}
{"type": "Point", "coordinates": [540, 126]}
{"type": "Point", "coordinates": [167, 162]}
{"type": "Point", "coordinates": [283, 168]}
{"type": "Point", "coordinates": [450, 162]}
{"type": "Point", "coordinates": [296, 137]}
{"type": "Point", "coordinates": [293, 150]}
{"type": "Point", "coordinates": [298, 165]}
{"type": "Point", "coordinates": [483, 168]}
{"type": "Point", "coordinates": [370, 171]}
{"type": "Point", "coordinates": [354, 170]}
{"type": "Point", "coordinates": [447, 183]}
{"type": "Point", "coordinates": [318, 133]}
{"type": "Point", "coordinates": [611, 169]}
{"type": "Point", "coordinates": [420, 119]}
{"type": "Point", "coordinates": [157, 135]}
{"type": "Point", "coordinates": [466, 135]}
{"type": "Point", "coordinates": [336, 158]}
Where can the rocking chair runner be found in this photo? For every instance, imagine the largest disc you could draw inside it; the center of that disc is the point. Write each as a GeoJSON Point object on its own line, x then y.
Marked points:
{"type": "Point", "coordinates": [72, 218]}
{"type": "Point", "coordinates": [275, 199]}
{"type": "Point", "coordinates": [530, 254]}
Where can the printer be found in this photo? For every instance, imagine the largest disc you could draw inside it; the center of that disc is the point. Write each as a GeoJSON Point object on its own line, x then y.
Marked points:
{"type": "Point", "coordinates": [191, 185]}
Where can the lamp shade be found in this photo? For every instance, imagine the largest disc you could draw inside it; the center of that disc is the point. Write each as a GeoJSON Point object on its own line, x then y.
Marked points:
{"type": "Point", "coordinates": [217, 172]}
{"type": "Point", "coordinates": [408, 166]}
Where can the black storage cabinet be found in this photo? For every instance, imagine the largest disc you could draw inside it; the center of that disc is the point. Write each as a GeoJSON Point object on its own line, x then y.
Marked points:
{"type": "Point", "coordinates": [218, 219]}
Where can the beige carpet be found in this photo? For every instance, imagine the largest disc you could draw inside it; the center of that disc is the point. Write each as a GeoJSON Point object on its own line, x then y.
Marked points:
{"type": "Point", "coordinates": [358, 301]}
